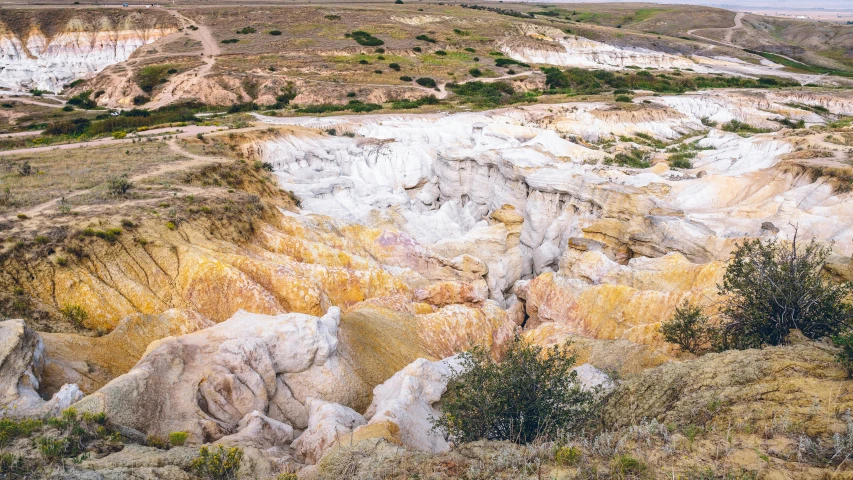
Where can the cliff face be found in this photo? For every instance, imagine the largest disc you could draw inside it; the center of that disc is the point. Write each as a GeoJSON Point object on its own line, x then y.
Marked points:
{"type": "Point", "coordinates": [34, 54]}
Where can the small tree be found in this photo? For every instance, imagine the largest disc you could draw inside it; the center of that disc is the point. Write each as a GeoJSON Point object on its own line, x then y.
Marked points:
{"type": "Point", "coordinates": [688, 328]}
{"type": "Point", "coordinates": [533, 393]}
{"type": "Point", "coordinates": [771, 288]}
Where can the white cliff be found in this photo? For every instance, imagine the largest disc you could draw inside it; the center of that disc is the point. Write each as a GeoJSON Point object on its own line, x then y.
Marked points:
{"type": "Point", "coordinates": [50, 63]}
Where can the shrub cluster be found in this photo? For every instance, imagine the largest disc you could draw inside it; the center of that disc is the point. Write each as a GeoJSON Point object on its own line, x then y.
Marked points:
{"type": "Point", "coordinates": [531, 394]}
{"type": "Point", "coordinates": [363, 38]}
{"type": "Point", "coordinates": [589, 82]}
{"type": "Point", "coordinates": [769, 289]}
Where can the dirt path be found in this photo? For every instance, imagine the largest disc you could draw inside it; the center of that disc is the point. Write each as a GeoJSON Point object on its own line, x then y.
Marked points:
{"type": "Point", "coordinates": [193, 160]}
{"type": "Point", "coordinates": [727, 39]}
{"type": "Point", "coordinates": [185, 132]}
{"type": "Point", "coordinates": [30, 101]}
{"type": "Point", "coordinates": [210, 49]}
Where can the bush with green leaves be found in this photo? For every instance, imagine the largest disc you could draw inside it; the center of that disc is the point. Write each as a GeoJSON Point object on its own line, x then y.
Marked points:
{"type": "Point", "coordinates": [217, 463]}
{"type": "Point", "coordinates": [634, 158]}
{"type": "Point", "coordinates": [119, 186]}
{"type": "Point", "coordinates": [363, 38]}
{"type": "Point", "coordinates": [426, 82]}
{"type": "Point", "coordinates": [773, 287]}
{"type": "Point", "coordinates": [845, 354]}
{"type": "Point", "coordinates": [531, 394]}
{"type": "Point", "coordinates": [688, 328]}
{"type": "Point", "coordinates": [177, 439]}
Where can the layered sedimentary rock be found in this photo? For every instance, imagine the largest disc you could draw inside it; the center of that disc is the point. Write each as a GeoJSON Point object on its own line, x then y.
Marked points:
{"type": "Point", "coordinates": [556, 48]}
{"type": "Point", "coordinates": [31, 57]}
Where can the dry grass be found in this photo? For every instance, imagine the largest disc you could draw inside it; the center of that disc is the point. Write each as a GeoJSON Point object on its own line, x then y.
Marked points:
{"type": "Point", "coordinates": [60, 173]}
{"type": "Point", "coordinates": [24, 116]}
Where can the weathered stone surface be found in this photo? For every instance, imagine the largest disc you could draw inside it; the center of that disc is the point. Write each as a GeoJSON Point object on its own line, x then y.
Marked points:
{"type": "Point", "coordinates": [204, 383]}
{"type": "Point", "coordinates": [327, 423]}
{"type": "Point", "coordinates": [801, 383]}
{"type": "Point", "coordinates": [21, 365]}
{"type": "Point", "coordinates": [408, 400]}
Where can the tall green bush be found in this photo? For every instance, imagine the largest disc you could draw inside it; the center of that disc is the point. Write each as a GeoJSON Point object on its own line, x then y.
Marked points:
{"type": "Point", "coordinates": [531, 394]}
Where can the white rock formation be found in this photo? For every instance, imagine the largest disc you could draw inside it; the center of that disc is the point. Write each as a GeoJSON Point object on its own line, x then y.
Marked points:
{"type": "Point", "coordinates": [37, 61]}
{"type": "Point", "coordinates": [21, 364]}
{"type": "Point", "coordinates": [439, 177]}
{"type": "Point", "coordinates": [262, 432]}
{"type": "Point", "coordinates": [575, 51]}
{"type": "Point", "coordinates": [206, 382]}
{"type": "Point", "coordinates": [327, 424]}
{"type": "Point", "coordinates": [409, 398]}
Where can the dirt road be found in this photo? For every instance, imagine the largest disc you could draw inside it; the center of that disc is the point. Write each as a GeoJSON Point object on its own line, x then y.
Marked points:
{"type": "Point", "coordinates": [727, 39]}
{"type": "Point", "coordinates": [210, 49]}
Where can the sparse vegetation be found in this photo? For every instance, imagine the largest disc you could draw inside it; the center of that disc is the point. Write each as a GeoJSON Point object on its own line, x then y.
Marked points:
{"type": "Point", "coordinates": [217, 463]}
{"type": "Point", "coordinates": [634, 158]}
{"type": "Point", "coordinates": [363, 38]}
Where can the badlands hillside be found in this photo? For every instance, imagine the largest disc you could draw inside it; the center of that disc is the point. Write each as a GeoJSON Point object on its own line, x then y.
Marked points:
{"type": "Point", "coordinates": [261, 241]}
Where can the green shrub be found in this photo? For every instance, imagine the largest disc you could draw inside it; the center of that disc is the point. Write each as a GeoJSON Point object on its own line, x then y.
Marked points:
{"type": "Point", "coordinates": [626, 465]}
{"type": "Point", "coordinates": [177, 439]}
{"type": "Point", "coordinates": [845, 355]}
{"type": "Point", "coordinates": [75, 313]}
{"type": "Point", "coordinates": [623, 99]}
{"type": "Point", "coordinates": [171, 225]}
{"type": "Point", "coordinates": [82, 100]}
{"type": "Point", "coordinates": [475, 72]}
{"type": "Point", "coordinates": [149, 76]}
{"type": "Point", "coordinates": [634, 158]}
{"type": "Point", "coordinates": [11, 465]}
{"type": "Point", "coordinates": [12, 429]}
{"type": "Point", "coordinates": [567, 456]}
{"type": "Point", "coordinates": [218, 463]}
{"type": "Point", "coordinates": [681, 160]}
{"type": "Point", "coordinates": [119, 186]}
{"type": "Point", "coordinates": [742, 128]}
{"type": "Point", "coordinates": [405, 78]}
{"type": "Point", "coordinates": [506, 62]}
{"type": "Point", "coordinates": [409, 104]}
{"type": "Point", "coordinates": [275, 32]}
{"type": "Point", "coordinates": [426, 82]}
{"type": "Point", "coordinates": [533, 393]}
{"type": "Point", "coordinates": [688, 328]}
{"type": "Point", "coordinates": [394, 66]}
{"type": "Point", "coordinates": [440, 53]}
{"type": "Point", "coordinates": [366, 39]}
{"type": "Point", "coordinates": [156, 442]}
{"type": "Point", "coordinates": [771, 288]}
{"type": "Point", "coordinates": [425, 38]}
{"type": "Point", "coordinates": [417, 49]}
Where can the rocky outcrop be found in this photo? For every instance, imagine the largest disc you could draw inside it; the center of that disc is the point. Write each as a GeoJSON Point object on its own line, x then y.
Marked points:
{"type": "Point", "coordinates": [85, 45]}
{"type": "Point", "coordinates": [328, 423]}
{"type": "Point", "coordinates": [21, 364]}
{"type": "Point", "coordinates": [409, 399]}
{"type": "Point", "coordinates": [798, 384]}
{"type": "Point", "coordinates": [553, 47]}
{"type": "Point", "coordinates": [206, 382]}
